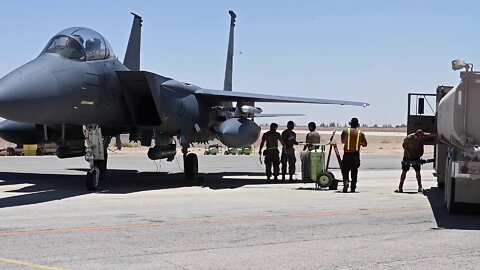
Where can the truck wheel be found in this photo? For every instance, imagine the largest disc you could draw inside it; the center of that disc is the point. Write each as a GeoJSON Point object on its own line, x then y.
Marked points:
{"type": "Point", "coordinates": [450, 196]}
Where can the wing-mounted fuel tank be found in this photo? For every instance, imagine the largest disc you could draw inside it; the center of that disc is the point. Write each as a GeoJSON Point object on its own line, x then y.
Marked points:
{"type": "Point", "coordinates": [238, 132]}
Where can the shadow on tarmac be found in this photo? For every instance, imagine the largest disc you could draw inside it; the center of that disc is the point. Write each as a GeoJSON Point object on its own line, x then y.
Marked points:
{"type": "Point", "coordinates": [128, 181]}
{"type": "Point", "coordinates": [469, 219]}
{"type": "Point", "coordinates": [51, 187]}
{"type": "Point", "coordinates": [44, 187]}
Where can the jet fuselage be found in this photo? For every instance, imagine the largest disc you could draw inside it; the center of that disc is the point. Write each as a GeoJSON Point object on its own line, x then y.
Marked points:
{"type": "Point", "coordinates": [53, 90]}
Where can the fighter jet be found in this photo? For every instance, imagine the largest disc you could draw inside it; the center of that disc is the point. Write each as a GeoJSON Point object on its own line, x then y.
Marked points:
{"type": "Point", "coordinates": [77, 94]}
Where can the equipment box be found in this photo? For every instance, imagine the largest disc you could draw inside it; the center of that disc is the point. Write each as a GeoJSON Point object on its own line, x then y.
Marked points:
{"type": "Point", "coordinates": [313, 164]}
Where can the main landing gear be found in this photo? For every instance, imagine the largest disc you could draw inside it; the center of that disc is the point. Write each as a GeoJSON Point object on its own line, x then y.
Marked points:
{"type": "Point", "coordinates": [190, 165]}
{"type": "Point", "coordinates": [96, 155]}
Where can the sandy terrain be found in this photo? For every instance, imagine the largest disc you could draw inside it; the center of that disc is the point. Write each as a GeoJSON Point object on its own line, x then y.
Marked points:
{"type": "Point", "coordinates": [379, 142]}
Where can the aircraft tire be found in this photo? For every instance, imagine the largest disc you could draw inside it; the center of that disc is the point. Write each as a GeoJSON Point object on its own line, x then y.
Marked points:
{"type": "Point", "coordinates": [102, 169]}
{"type": "Point", "coordinates": [93, 179]}
{"type": "Point", "coordinates": [191, 167]}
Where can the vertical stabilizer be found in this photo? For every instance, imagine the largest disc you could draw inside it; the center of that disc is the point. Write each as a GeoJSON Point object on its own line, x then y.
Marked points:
{"type": "Point", "coordinates": [132, 55]}
{"type": "Point", "coordinates": [227, 85]}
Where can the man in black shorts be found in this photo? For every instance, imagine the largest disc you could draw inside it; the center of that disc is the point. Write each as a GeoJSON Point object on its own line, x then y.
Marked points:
{"type": "Point", "coordinates": [413, 151]}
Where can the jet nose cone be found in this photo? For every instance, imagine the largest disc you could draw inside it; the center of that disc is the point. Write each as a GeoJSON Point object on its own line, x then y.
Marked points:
{"type": "Point", "coordinates": [29, 93]}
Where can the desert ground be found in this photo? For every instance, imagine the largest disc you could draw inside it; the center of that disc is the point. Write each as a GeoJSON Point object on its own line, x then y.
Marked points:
{"type": "Point", "coordinates": [380, 141]}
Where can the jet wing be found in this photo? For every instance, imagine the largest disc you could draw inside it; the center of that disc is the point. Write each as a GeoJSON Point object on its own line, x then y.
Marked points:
{"type": "Point", "coordinates": [221, 95]}
{"type": "Point", "coordinates": [278, 114]}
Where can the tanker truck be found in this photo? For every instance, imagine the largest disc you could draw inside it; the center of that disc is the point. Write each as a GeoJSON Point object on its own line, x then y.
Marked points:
{"type": "Point", "coordinates": [458, 127]}
{"type": "Point", "coordinates": [456, 120]}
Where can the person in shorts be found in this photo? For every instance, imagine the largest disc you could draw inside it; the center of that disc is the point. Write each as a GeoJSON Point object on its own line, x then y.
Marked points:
{"type": "Point", "coordinates": [413, 146]}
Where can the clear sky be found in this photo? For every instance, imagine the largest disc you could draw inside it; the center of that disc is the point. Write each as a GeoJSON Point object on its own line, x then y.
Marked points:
{"type": "Point", "coordinates": [372, 50]}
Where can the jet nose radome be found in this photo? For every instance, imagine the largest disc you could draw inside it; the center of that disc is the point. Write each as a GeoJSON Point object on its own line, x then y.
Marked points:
{"type": "Point", "coordinates": [28, 94]}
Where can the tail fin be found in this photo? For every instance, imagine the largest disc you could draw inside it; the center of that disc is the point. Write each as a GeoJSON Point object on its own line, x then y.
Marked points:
{"type": "Point", "coordinates": [132, 56]}
{"type": "Point", "coordinates": [227, 85]}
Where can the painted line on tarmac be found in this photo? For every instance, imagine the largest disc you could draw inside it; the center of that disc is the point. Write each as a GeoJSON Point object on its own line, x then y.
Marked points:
{"type": "Point", "coordinates": [220, 220]}
{"type": "Point", "coordinates": [32, 265]}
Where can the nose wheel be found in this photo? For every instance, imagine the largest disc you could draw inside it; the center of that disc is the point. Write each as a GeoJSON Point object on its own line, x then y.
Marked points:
{"type": "Point", "coordinates": [96, 155]}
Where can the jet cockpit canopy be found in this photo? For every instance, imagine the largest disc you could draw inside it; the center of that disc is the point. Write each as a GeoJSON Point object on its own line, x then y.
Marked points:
{"type": "Point", "coordinates": [78, 43]}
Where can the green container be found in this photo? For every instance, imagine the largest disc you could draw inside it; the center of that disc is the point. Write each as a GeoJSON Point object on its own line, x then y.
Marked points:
{"type": "Point", "coordinates": [316, 164]}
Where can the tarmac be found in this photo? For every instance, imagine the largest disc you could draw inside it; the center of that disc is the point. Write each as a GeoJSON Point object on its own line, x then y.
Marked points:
{"type": "Point", "coordinates": [146, 216]}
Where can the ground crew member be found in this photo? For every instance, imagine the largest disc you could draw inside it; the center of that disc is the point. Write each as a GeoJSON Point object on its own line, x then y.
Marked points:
{"type": "Point", "coordinates": [272, 154]}
{"type": "Point", "coordinates": [288, 153]}
{"type": "Point", "coordinates": [313, 137]}
{"type": "Point", "coordinates": [413, 151]}
{"type": "Point", "coordinates": [352, 138]}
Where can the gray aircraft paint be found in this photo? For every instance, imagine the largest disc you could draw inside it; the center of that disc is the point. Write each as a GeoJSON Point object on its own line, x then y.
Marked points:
{"type": "Point", "coordinates": [77, 81]}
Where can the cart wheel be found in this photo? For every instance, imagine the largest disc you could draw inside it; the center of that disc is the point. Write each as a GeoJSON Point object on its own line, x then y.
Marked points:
{"type": "Point", "coordinates": [324, 180]}
{"type": "Point", "coordinates": [334, 185]}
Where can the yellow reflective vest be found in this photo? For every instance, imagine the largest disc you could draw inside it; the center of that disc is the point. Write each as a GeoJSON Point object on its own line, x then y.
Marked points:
{"type": "Point", "coordinates": [352, 143]}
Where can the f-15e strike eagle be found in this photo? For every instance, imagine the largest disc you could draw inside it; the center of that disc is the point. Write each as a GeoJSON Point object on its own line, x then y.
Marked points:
{"type": "Point", "coordinates": [77, 94]}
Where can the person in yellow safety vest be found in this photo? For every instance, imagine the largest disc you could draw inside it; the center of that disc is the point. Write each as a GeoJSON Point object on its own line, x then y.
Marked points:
{"type": "Point", "coordinates": [353, 139]}
{"type": "Point", "coordinates": [272, 154]}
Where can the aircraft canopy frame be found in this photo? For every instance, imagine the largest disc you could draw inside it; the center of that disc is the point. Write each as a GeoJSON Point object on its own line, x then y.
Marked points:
{"type": "Point", "coordinates": [81, 44]}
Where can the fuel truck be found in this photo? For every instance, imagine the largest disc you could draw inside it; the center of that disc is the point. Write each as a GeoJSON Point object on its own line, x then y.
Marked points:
{"type": "Point", "coordinates": [458, 127]}
{"type": "Point", "coordinates": [457, 149]}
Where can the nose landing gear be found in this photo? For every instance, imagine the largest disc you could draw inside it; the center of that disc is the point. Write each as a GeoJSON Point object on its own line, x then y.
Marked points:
{"type": "Point", "coordinates": [96, 155]}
